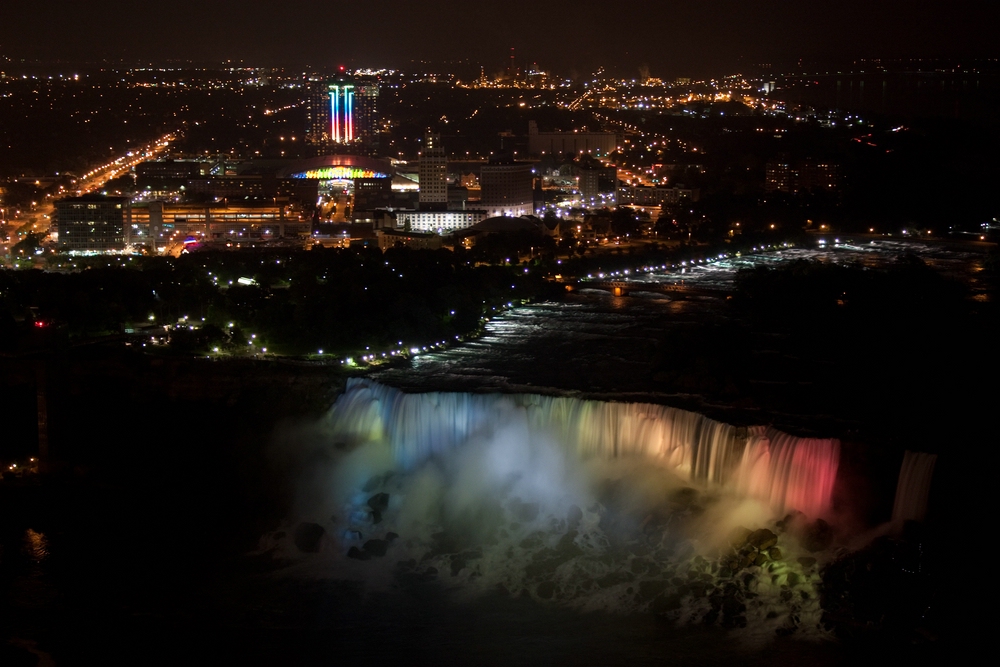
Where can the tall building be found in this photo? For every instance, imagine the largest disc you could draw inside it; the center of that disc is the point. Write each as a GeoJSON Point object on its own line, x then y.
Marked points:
{"type": "Point", "coordinates": [366, 118]}
{"type": "Point", "coordinates": [343, 111]}
{"type": "Point", "coordinates": [808, 175]}
{"type": "Point", "coordinates": [780, 175]}
{"type": "Point", "coordinates": [93, 223]}
{"type": "Point", "coordinates": [598, 184]}
{"type": "Point", "coordinates": [433, 172]}
{"type": "Point", "coordinates": [506, 188]}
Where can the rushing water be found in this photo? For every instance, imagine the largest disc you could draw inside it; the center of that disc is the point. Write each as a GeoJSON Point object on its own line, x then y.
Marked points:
{"type": "Point", "coordinates": [618, 507]}
{"type": "Point", "coordinates": [597, 345]}
{"type": "Point", "coordinates": [538, 461]}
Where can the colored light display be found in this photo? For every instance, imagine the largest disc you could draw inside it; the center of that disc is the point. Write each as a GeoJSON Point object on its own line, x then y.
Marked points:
{"type": "Point", "coordinates": [341, 113]}
{"type": "Point", "coordinates": [339, 173]}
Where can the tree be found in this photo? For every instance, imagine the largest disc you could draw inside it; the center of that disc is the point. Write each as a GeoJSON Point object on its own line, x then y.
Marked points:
{"type": "Point", "coordinates": [27, 246]}
{"type": "Point", "coordinates": [624, 222]}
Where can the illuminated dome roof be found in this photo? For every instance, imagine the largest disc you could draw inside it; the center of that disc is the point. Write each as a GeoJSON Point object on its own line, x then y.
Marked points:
{"type": "Point", "coordinates": [329, 167]}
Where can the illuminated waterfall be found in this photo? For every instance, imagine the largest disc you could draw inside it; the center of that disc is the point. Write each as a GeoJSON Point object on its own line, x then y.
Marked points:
{"type": "Point", "coordinates": [780, 469]}
{"type": "Point", "coordinates": [913, 487]}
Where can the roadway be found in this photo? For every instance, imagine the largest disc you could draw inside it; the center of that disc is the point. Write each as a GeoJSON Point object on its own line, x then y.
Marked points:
{"type": "Point", "coordinates": [38, 218]}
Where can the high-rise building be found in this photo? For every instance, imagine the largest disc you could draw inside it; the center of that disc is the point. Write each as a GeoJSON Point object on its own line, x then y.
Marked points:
{"type": "Point", "coordinates": [598, 184]}
{"type": "Point", "coordinates": [343, 111]}
{"type": "Point", "coordinates": [433, 172]}
{"type": "Point", "coordinates": [93, 223]}
{"type": "Point", "coordinates": [366, 118]}
{"type": "Point", "coordinates": [506, 188]}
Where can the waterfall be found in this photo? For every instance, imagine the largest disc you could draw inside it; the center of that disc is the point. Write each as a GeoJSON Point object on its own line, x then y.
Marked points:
{"type": "Point", "coordinates": [782, 470]}
{"type": "Point", "coordinates": [913, 487]}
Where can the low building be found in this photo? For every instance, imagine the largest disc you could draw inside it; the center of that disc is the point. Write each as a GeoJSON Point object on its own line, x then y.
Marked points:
{"type": "Point", "coordinates": [161, 222]}
{"type": "Point", "coordinates": [440, 222]}
{"type": "Point", "coordinates": [392, 238]}
{"type": "Point", "coordinates": [644, 195]}
{"type": "Point", "coordinates": [598, 144]}
{"type": "Point", "coordinates": [93, 223]}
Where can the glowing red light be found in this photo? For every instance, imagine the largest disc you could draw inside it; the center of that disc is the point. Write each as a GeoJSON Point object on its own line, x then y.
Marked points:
{"type": "Point", "coordinates": [39, 324]}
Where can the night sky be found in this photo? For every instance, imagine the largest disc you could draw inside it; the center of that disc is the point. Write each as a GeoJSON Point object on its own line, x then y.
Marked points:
{"type": "Point", "coordinates": [672, 38]}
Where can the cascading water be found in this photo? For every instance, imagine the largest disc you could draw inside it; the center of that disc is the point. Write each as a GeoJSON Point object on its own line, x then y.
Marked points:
{"type": "Point", "coordinates": [592, 505]}
{"type": "Point", "coordinates": [913, 488]}
{"type": "Point", "coordinates": [786, 472]}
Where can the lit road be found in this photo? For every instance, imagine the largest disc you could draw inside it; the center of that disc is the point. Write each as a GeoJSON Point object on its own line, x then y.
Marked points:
{"type": "Point", "coordinates": [38, 219]}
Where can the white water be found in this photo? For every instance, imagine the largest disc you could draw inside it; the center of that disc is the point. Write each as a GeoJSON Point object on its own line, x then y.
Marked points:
{"type": "Point", "coordinates": [913, 487]}
{"type": "Point", "coordinates": [585, 504]}
{"type": "Point", "coordinates": [786, 472]}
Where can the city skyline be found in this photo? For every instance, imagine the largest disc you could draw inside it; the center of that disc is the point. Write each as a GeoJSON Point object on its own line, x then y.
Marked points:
{"type": "Point", "coordinates": [668, 39]}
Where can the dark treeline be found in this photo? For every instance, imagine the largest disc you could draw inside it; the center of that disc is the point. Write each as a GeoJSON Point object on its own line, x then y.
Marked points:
{"type": "Point", "coordinates": [898, 355]}
{"type": "Point", "coordinates": [294, 302]}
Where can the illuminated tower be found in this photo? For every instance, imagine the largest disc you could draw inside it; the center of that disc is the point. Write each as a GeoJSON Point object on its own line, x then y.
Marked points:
{"type": "Point", "coordinates": [341, 96]}
{"type": "Point", "coordinates": [343, 111]}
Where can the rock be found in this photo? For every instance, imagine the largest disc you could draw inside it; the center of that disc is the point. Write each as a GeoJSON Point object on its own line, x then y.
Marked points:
{"type": "Point", "coordinates": [307, 537]}
{"type": "Point", "coordinates": [379, 502]}
{"type": "Point", "coordinates": [818, 536]}
{"type": "Point", "coordinates": [806, 561]}
{"type": "Point", "coordinates": [738, 536]}
{"type": "Point", "coordinates": [762, 539]}
{"type": "Point", "coordinates": [573, 517]}
{"type": "Point", "coordinates": [390, 537]}
{"type": "Point", "coordinates": [352, 534]}
{"type": "Point", "coordinates": [760, 558]}
{"type": "Point", "coordinates": [375, 547]}
{"type": "Point", "coordinates": [567, 545]}
{"type": "Point", "coordinates": [357, 554]}
{"type": "Point", "coordinates": [639, 566]}
{"type": "Point", "coordinates": [774, 553]}
{"type": "Point", "coordinates": [546, 590]}
{"type": "Point", "coordinates": [650, 588]}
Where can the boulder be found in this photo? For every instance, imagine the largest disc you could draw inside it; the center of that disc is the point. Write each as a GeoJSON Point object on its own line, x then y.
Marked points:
{"type": "Point", "coordinates": [307, 537]}
{"type": "Point", "coordinates": [762, 539]}
{"type": "Point", "coordinates": [375, 547]}
{"type": "Point", "coordinates": [738, 536]}
{"type": "Point", "coordinates": [357, 554]}
{"type": "Point", "coordinates": [379, 502]}
{"type": "Point", "coordinates": [573, 517]}
{"type": "Point", "coordinates": [774, 553]}
{"type": "Point", "coordinates": [818, 536]}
